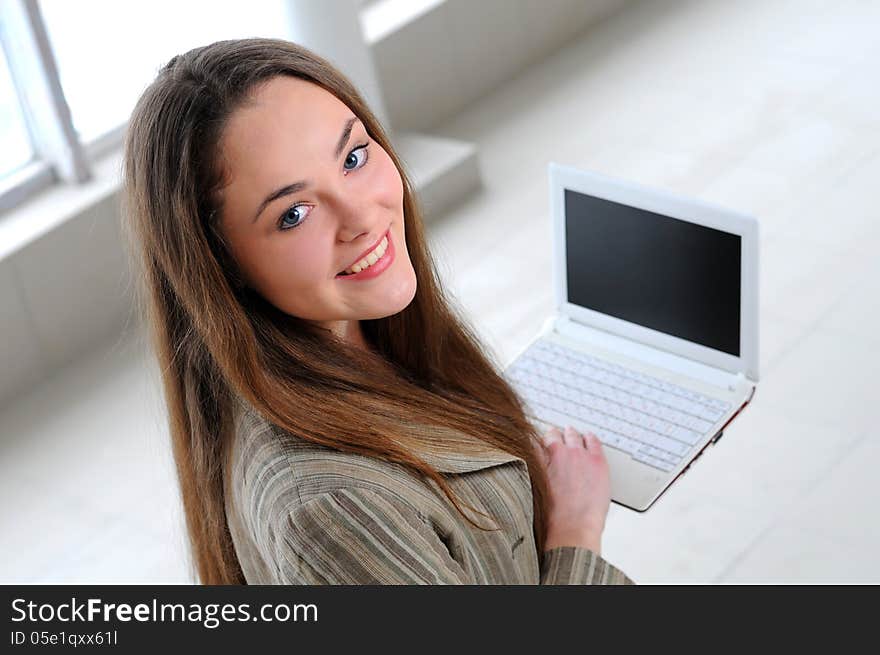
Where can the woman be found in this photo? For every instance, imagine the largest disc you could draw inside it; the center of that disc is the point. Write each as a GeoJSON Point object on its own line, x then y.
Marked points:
{"type": "Point", "coordinates": [332, 419]}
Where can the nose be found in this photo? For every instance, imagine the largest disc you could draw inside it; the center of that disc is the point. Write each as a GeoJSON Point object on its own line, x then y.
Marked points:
{"type": "Point", "coordinates": [354, 217]}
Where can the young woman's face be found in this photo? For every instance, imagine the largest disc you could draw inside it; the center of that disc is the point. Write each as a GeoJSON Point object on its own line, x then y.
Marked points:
{"type": "Point", "coordinates": [292, 240]}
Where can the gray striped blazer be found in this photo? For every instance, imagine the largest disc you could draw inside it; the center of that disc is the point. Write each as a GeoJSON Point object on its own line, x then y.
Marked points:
{"type": "Point", "coordinates": [301, 513]}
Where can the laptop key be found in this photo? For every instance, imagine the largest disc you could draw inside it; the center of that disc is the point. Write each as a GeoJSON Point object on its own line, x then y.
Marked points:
{"type": "Point", "coordinates": [688, 436]}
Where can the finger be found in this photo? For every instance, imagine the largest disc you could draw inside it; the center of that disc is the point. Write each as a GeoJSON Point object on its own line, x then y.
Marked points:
{"type": "Point", "coordinates": [553, 434]}
{"type": "Point", "coordinates": [540, 451]}
{"type": "Point", "coordinates": [572, 437]}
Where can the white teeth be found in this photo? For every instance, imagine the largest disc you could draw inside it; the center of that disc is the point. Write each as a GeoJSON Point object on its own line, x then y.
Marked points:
{"type": "Point", "coordinates": [370, 259]}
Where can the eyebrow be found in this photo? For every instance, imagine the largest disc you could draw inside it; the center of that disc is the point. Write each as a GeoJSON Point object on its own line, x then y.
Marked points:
{"type": "Point", "coordinates": [296, 187]}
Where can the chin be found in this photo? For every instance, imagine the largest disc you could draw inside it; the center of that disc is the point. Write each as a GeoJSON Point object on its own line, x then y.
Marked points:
{"type": "Point", "coordinates": [398, 300]}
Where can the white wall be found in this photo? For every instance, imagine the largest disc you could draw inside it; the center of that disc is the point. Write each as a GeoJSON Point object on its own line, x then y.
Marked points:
{"type": "Point", "coordinates": [459, 50]}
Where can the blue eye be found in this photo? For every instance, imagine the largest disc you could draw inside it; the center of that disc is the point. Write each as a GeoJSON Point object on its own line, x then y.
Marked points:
{"type": "Point", "coordinates": [355, 160]}
{"type": "Point", "coordinates": [295, 212]}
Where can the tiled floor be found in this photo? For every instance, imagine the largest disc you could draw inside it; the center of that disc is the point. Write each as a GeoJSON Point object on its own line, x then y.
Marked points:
{"type": "Point", "coordinates": [768, 107]}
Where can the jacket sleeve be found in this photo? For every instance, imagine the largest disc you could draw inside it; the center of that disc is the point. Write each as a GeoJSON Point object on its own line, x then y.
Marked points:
{"type": "Point", "coordinates": [360, 536]}
{"type": "Point", "coordinates": [572, 565]}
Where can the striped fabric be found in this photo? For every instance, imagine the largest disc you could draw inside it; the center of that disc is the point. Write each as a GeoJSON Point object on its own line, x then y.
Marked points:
{"type": "Point", "coordinates": [300, 513]}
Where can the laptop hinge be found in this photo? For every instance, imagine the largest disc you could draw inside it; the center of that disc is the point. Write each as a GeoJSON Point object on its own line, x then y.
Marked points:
{"type": "Point", "coordinates": [641, 352]}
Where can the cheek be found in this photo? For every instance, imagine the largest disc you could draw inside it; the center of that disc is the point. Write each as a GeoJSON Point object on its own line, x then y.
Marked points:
{"type": "Point", "coordinates": [305, 266]}
{"type": "Point", "coordinates": [287, 267]}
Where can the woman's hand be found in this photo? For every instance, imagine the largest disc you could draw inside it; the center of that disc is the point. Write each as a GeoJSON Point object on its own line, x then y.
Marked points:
{"type": "Point", "coordinates": [579, 488]}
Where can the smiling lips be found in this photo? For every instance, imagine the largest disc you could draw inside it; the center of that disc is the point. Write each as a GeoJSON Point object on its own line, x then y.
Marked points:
{"type": "Point", "coordinates": [370, 258]}
{"type": "Point", "coordinates": [375, 261]}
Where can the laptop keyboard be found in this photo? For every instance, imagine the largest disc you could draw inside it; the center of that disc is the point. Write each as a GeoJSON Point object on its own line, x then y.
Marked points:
{"type": "Point", "coordinates": [655, 422]}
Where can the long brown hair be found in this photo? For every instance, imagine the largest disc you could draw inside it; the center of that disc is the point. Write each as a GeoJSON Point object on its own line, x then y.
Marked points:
{"type": "Point", "coordinates": [426, 378]}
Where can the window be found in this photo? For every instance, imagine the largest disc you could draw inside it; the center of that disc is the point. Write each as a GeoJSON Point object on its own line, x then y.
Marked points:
{"type": "Point", "coordinates": [108, 51]}
{"type": "Point", "coordinates": [16, 150]}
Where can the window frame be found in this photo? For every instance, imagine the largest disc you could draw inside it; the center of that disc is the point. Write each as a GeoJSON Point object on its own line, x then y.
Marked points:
{"type": "Point", "coordinates": [58, 154]}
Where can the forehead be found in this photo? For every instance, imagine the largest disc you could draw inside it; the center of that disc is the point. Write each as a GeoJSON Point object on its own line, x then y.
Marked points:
{"type": "Point", "coordinates": [283, 95]}
{"type": "Point", "coordinates": [286, 118]}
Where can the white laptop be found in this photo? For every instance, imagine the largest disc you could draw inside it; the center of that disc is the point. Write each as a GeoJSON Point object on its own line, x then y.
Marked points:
{"type": "Point", "coordinates": [654, 342]}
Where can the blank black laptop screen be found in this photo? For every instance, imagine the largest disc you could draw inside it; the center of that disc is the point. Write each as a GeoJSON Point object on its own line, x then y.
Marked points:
{"type": "Point", "coordinates": [659, 272]}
